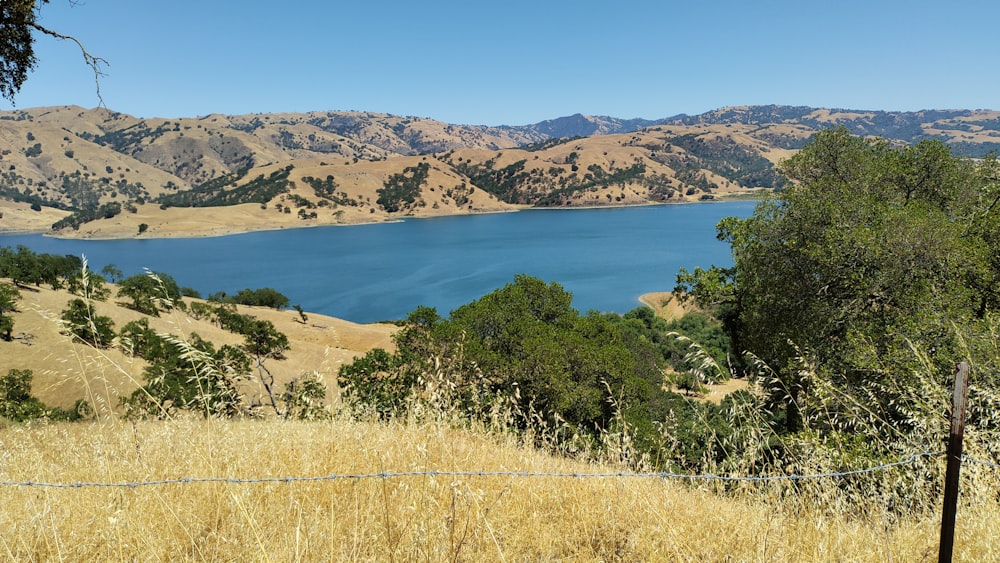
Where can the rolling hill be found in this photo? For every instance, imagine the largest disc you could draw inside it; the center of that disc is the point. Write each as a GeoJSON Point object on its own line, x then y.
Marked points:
{"type": "Point", "coordinates": [100, 173]}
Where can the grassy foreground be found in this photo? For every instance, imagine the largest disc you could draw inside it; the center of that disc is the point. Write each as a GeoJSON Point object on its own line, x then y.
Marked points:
{"type": "Point", "coordinates": [477, 518]}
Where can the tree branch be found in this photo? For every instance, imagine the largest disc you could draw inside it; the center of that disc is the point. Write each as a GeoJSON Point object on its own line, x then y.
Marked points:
{"type": "Point", "coordinates": [94, 62]}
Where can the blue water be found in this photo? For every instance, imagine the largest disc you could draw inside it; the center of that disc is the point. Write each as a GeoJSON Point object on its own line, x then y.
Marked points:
{"type": "Point", "coordinates": [367, 273]}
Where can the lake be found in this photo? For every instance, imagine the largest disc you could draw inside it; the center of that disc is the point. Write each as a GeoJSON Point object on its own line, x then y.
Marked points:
{"type": "Point", "coordinates": [365, 273]}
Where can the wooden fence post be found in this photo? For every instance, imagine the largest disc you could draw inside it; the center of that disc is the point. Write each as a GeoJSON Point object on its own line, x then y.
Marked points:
{"type": "Point", "coordinates": [958, 399]}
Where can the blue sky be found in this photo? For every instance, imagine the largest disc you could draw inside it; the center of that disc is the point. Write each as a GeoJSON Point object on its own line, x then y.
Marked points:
{"type": "Point", "coordinates": [516, 62]}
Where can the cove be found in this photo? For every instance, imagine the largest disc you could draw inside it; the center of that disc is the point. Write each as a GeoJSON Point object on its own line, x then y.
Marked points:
{"type": "Point", "coordinates": [607, 257]}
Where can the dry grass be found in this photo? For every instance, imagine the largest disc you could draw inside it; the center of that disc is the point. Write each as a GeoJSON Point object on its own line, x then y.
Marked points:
{"type": "Point", "coordinates": [403, 518]}
{"type": "Point", "coordinates": [65, 371]}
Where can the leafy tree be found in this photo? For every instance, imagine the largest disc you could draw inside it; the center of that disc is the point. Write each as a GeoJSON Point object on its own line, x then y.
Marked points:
{"type": "Point", "coordinates": [112, 273]}
{"type": "Point", "coordinates": [379, 382]}
{"type": "Point", "coordinates": [150, 292]}
{"type": "Point", "coordinates": [86, 325]}
{"type": "Point", "coordinates": [8, 303]}
{"type": "Point", "coordinates": [522, 345]}
{"type": "Point", "coordinates": [25, 267]}
{"type": "Point", "coordinates": [263, 297]}
{"type": "Point", "coordinates": [16, 401]}
{"type": "Point", "coordinates": [304, 396]}
{"type": "Point", "coordinates": [89, 285]}
{"type": "Point", "coordinates": [874, 250]}
{"type": "Point", "coordinates": [400, 191]}
{"type": "Point", "coordinates": [139, 339]}
{"type": "Point", "coordinates": [263, 340]}
{"type": "Point", "coordinates": [18, 21]}
{"type": "Point", "coordinates": [191, 375]}
{"type": "Point", "coordinates": [303, 317]}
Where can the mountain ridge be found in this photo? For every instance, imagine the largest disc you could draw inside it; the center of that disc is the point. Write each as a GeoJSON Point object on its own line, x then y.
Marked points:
{"type": "Point", "coordinates": [348, 167]}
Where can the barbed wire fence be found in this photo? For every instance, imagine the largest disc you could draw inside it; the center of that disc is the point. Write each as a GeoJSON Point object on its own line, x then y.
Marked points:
{"type": "Point", "coordinates": [954, 455]}
{"type": "Point", "coordinates": [909, 460]}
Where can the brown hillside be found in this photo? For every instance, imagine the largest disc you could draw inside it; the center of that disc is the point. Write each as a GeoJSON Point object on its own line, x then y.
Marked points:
{"type": "Point", "coordinates": [65, 371]}
{"type": "Point", "coordinates": [340, 163]}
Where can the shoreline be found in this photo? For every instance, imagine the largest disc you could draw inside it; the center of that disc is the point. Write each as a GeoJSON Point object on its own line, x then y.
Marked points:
{"type": "Point", "coordinates": [222, 231]}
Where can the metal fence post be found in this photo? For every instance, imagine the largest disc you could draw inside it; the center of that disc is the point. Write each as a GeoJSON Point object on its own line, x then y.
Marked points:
{"type": "Point", "coordinates": [958, 400]}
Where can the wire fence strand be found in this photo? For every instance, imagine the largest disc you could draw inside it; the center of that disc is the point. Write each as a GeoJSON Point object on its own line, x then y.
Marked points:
{"type": "Point", "coordinates": [967, 459]}
{"type": "Point", "coordinates": [515, 474]}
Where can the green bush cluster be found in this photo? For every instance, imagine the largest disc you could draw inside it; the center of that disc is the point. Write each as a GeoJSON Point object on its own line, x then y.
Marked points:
{"type": "Point", "coordinates": [524, 348]}
{"type": "Point", "coordinates": [401, 190]}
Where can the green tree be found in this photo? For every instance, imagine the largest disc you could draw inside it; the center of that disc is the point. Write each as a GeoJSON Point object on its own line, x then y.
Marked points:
{"type": "Point", "coordinates": [86, 325]}
{"type": "Point", "coordinates": [8, 304]}
{"type": "Point", "coordinates": [262, 340]}
{"type": "Point", "coordinates": [112, 273]}
{"type": "Point", "coordinates": [873, 250]}
{"type": "Point", "coordinates": [521, 345]}
{"type": "Point", "coordinates": [379, 382]}
{"type": "Point", "coordinates": [150, 292]}
{"type": "Point", "coordinates": [304, 396]}
{"type": "Point", "coordinates": [263, 297]}
{"type": "Point", "coordinates": [89, 285]}
{"type": "Point", "coordinates": [16, 401]}
{"type": "Point", "coordinates": [18, 22]}
{"type": "Point", "coordinates": [190, 375]}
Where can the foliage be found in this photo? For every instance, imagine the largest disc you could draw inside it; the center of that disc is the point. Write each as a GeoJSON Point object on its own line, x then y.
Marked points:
{"type": "Point", "coordinates": [150, 292]}
{"type": "Point", "coordinates": [263, 340]}
{"type": "Point", "coordinates": [111, 272]}
{"type": "Point", "coordinates": [16, 401]}
{"type": "Point", "coordinates": [523, 347]}
{"type": "Point", "coordinates": [725, 157]}
{"type": "Point", "coordinates": [17, 52]}
{"type": "Point", "coordinates": [327, 189]}
{"type": "Point", "coordinates": [224, 190]}
{"type": "Point", "coordinates": [262, 297]}
{"type": "Point", "coordinates": [24, 266]}
{"type": "Point", "coordinates": [8, 304]}
{"type": "Point", "coordinates": [19, 405]}
{"type": "Point", "coordinates": [85, 325]}
{"type": "Point", "coordinates": [402, 190]}
{"type": "Point", "coordinates": [549, 143]}
{"type": "Point", "coordinates": [189, 375]}
{"type": "Point", "coordinates": [377, 382]}
{"type": "Point", "coordinates": [504, 183]}
{"type": "Point", "coordinates": [304, 398]}
{"type": "Point", "coordinates": [88, 285]}
{"type": "Point", "coordinates": [875, 251]}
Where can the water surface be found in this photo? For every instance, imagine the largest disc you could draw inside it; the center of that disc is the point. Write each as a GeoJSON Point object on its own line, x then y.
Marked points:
{"type": "Point", "coordinates": [367, 273]}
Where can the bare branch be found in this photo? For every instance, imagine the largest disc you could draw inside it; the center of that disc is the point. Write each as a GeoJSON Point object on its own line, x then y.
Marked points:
{"type": "Point", "coordinates": [94, 62]}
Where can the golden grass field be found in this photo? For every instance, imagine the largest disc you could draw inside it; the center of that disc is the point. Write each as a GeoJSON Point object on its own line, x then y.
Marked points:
{"type": "Point", "coordinates": [397, 518]}
{"type": "Point", "coordinates": [410, 518]}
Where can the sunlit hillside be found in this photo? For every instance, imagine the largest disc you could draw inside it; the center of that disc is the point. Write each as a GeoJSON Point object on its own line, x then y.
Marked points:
{"type": "Point", "coordinates": [66, 370]}
{"type": "Point", "coordinates": [217, 173]}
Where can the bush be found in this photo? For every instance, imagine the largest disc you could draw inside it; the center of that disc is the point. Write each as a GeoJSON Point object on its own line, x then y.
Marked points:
{"type": "Point", "coordinates": [85, 325]}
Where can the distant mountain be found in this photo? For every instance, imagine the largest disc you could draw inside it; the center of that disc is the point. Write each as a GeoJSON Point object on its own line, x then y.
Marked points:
{"type": "Point", "coordinates": [969, 132]}
{"type": "Point", "coordinates": [578, 125]}
{"type": "Point", "coordinates": [343, 167]}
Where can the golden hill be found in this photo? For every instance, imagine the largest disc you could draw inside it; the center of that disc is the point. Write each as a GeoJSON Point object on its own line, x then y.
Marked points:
{"type": "Point", "coordinates": [65, 371]}
{"type": "Point", "coordinates": [217, 174]}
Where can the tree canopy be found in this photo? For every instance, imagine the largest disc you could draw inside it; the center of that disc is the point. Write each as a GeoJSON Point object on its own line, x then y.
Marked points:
{"type": "Point", "coordinates": [17, 45]}
{"type": "Point", "coordinates": [874, 251]}
{"type": "Point", "coordinates": [18, 24]}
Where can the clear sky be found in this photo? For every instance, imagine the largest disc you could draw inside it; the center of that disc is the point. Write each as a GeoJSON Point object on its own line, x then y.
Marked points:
{"type": "Point", "coordinates": [517, 62]}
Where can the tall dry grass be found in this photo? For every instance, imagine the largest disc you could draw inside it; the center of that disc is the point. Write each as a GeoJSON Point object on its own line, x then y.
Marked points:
{"type": "Point", "coordinates": [473, 517]}
{"type": "Point", "coordinates": [435, 518]}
